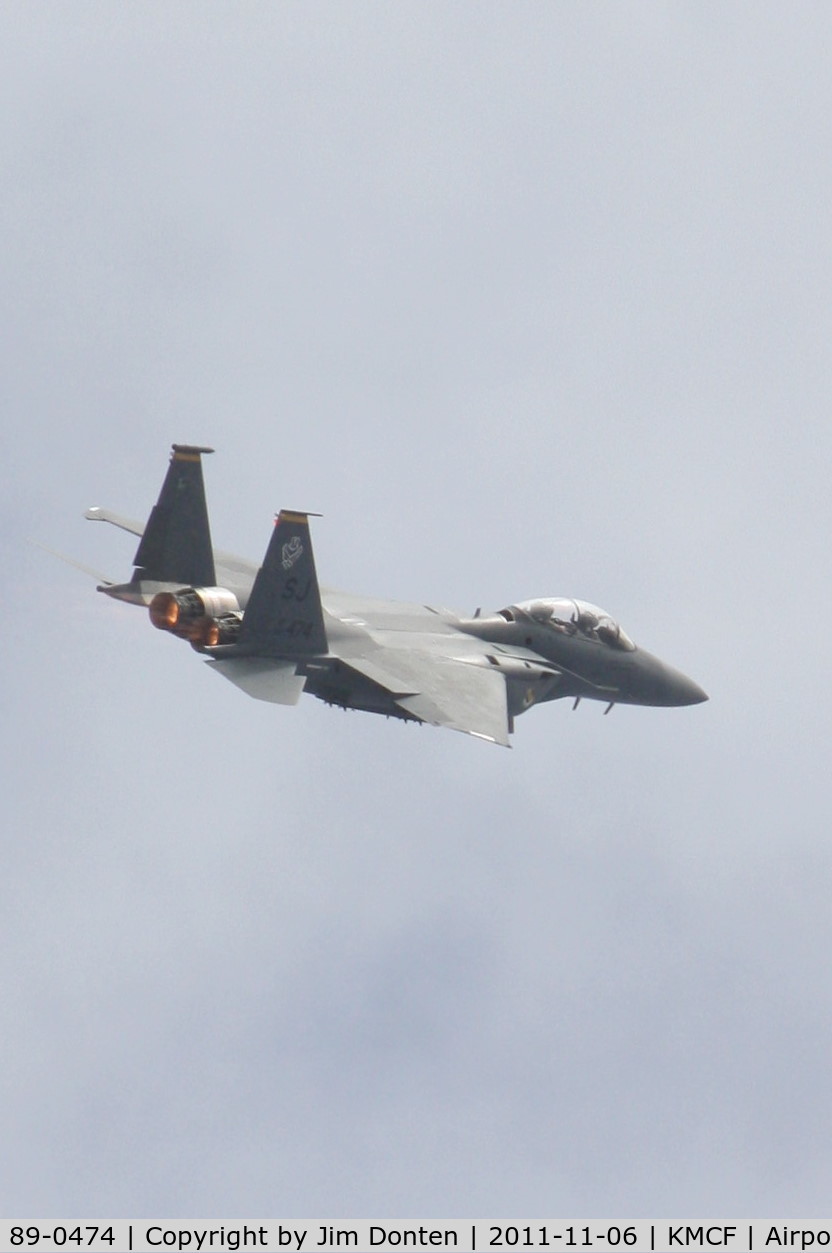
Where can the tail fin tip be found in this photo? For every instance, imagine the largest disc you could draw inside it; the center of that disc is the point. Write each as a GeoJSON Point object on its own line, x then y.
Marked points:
{"type": "Point", "coordinates": [187, 451]}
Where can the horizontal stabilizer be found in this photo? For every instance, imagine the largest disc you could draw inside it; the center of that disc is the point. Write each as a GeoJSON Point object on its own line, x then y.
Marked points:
{"type": "Point", "coordinates": [138, 591]}
{"type": "Point", "coordinates": [283, 617]}
{"type": "Point", "coordinates": [97, 514]}
{"type": "Point", "coordinates": [262, 678]}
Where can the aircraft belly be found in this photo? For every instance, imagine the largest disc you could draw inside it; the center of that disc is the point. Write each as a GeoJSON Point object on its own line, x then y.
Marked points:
{"type": "Point", "coordinates": [437, 688]}
{"type": "Point", "coordinates": [348, 689]}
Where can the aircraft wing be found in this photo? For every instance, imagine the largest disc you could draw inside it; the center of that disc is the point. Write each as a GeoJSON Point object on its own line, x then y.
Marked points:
{"type": "Point", "coordinates": [443, 691]}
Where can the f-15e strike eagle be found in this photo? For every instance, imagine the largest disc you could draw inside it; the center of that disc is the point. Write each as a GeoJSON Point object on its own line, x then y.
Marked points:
{"type": "Point", "coordinates": [275, 633]}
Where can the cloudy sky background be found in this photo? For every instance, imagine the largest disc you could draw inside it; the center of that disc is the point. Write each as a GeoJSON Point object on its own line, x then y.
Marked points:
{"type": "Point", "coordinates": [526, 300]}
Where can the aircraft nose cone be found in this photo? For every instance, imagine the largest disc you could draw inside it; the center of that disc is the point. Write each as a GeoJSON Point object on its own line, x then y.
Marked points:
{"type": "Point", "coordinates": [657, 683]}
{"type": "Point", "coordinates": [681, 690]}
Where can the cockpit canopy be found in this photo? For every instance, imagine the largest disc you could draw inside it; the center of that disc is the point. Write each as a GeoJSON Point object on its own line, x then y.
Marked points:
{"type": "Point", "coordinates": [575, 617]}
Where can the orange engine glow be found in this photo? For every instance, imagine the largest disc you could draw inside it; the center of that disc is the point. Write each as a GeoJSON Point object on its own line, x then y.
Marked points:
{"type": "Point", "coordinates": [209, 636]}
{"type": "Point", "coordinates": [204, 615]}
{"type": "Point", "coordinates": [164, 611]}
{"type": "Point", "coordinates": [209, 632]}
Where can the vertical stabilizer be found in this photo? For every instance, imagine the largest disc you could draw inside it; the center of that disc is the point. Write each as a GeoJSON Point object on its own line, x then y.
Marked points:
{"type": "Point", "coordinates": [283, 617]}
{"type": "Point", "coordinates": [176, 545]}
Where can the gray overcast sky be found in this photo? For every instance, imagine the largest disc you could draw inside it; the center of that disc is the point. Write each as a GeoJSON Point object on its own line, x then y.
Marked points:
{"type": "Point", "coordinates": [527, 300]}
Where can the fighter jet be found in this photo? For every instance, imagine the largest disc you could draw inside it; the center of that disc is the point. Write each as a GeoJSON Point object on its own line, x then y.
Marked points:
{"type": "Point", "coordinates": [274, 633]}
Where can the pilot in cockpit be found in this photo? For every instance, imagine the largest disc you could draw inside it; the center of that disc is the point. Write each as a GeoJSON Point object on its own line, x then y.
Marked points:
{"type": "Point", "coordinates": [573, 617]}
